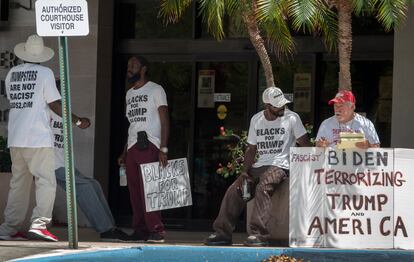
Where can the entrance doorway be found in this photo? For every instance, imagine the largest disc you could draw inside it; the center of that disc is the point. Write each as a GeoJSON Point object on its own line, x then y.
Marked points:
{"type": "Point", "coordinates": [194, 100]}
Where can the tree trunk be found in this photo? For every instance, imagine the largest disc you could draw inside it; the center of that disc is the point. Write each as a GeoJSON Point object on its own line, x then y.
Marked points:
{"type": "Point", "coordinates": [258, 43]}
{"type": "Point", "coordinates": [344, 43]}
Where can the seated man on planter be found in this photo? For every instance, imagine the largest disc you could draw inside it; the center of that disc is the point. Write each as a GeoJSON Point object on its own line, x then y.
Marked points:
{"type": "Point", "coordinates": [271, 134]}
{"type": "Point", "coordinates": [89, 194]}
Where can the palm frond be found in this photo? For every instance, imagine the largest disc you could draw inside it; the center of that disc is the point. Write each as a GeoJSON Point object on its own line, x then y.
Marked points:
{"type": "Point", "coordinates": [212, 12]}
{"type": "Point", "coordinates": [232, 7]}
{"type": "Point", "coordinates": [363, 7]}
{"type": "Point", "coordinates": [303, 13]}
{"type": "Point", "coordinates": [172, 10]}
{"type": "Point", "coordinates": [391, 12]}
{"type": "Point", "coordinates": [234, 12]}
{"type": "Point", "coordinates": [327, 23]}
{"type": "Point", "coordinates": [267, 8]}
{"type": "Point", "coordinates": [278, 36]}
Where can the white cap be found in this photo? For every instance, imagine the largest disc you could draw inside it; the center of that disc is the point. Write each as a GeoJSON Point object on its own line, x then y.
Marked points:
{"type": "Point", "coordinates": [265, 95]}
{"type": "Point", "coordinates": [277, 98]}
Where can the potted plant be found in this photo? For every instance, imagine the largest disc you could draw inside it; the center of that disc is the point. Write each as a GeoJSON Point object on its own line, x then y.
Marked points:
{"type": "Point", "coordinates": [236, 154]}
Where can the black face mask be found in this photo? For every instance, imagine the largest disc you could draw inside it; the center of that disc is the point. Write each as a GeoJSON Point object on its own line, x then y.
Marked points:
{"type": "Point", "coordinates": [136, 77]}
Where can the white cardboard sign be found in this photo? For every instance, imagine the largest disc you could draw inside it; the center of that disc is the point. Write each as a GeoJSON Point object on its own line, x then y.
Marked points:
{"type": "Point", "coordinates": [62, 18]}
{"type": "Point", "coordinates": [351, 198]}
{"type": "Point", "coordinates": [168, 187]}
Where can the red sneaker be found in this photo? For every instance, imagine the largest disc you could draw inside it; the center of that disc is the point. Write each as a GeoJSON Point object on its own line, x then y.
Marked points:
{"type": "Point", "coordinates": [42, 234]}
{"type": "Point", "coordinates": [19, 236]}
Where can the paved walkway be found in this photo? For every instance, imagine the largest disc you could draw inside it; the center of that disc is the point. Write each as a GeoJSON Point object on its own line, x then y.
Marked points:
{"type": "Point", "coordinates": [88, 239]}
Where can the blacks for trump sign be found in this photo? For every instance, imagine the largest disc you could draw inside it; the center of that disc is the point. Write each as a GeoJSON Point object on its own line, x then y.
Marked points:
{"type": "Point", "coordinates": [351, 198]}
{"type": "Point", "coordinates": [168, 187]}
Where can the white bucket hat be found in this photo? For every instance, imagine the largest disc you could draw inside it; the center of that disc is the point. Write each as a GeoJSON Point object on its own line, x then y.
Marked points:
{"type": "Point", "coordinates": [33, 50]}
{"type": "Point", "coordinates": [276, 97]}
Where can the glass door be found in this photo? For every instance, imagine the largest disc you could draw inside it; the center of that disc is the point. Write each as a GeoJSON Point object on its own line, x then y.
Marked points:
{"type": "Point", "coordinates": [221, 102]}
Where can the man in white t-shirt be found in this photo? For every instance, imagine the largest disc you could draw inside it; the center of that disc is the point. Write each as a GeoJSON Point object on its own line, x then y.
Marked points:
{"type": "Point", "coordinates": [89, 194]}
{"type": "Point", "coordinates": [147, 113]}
{"type": "Point", "coordinates": [346, 120]}
{"type": "Point", "coordinates": [271, 134]}
{"type": "Point", "coordinates": [31, 90]}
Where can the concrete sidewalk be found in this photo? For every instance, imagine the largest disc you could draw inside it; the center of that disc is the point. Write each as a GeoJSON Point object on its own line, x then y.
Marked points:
{"type": "Point", "coordinates": [88, 239]}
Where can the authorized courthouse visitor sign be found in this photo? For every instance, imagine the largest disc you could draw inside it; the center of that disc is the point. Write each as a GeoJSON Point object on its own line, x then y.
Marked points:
{"type": "Point", "coordinates": [168, 187]}
{"type": "Point", "coordinates": [62, 18]}
{"type": "Point", "coordinates": [351, 198]}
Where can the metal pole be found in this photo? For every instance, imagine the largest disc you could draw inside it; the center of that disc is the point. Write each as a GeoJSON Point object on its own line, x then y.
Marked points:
{"type": "Point", "coordinates": [68, 145]}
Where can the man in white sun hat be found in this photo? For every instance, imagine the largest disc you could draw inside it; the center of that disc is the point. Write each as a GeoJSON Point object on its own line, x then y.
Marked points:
{"type": "Point", "coordinates": [31, 90]}
{"type": "Point", "coordinates": [271, 134]}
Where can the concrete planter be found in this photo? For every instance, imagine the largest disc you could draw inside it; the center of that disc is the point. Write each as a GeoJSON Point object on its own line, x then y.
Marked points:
{"type": "Point", "coordinates": [279, 217]}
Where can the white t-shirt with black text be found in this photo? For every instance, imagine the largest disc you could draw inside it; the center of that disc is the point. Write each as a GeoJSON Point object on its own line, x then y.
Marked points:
{"type": "Point", "coordinates": [142, 112]}
{"type": "Point", "coordinates": [30, 88]}
{"type": "Point", "coordinates": [330, 129]}
{"type": "Point", "coordinates": [56, 123]}
{"type": "Point", "coordinates": [274, 138]}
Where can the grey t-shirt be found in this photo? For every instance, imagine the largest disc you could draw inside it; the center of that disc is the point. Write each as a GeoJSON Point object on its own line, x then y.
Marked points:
{"type": "Point", "coordinates": [330, 129]}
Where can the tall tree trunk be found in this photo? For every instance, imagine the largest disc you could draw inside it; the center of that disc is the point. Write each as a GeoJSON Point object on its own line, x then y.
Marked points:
{"type": "Point", "coordinates": [258, 43]}
{"type": "Point", "coordinates": [344, 43]}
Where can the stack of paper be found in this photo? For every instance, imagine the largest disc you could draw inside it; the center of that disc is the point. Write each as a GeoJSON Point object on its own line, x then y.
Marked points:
{"type": "Point", "coordinates": [349, 139]}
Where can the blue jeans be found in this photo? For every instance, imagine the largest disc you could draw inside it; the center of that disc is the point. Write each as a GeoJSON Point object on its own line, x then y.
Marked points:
{"type": "Point", "coordinates": [91, 200]}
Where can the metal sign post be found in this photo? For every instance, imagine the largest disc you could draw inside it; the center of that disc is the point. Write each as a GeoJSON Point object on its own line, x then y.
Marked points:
{"type": "Point", "coordinates": [64, 18]}
{"type": "Point", "coordinates": [68, 144]}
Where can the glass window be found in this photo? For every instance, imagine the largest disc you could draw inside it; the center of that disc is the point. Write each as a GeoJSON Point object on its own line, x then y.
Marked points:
{"type": "Point", "coordinates": [148, 25]}
{"type": "Point", "coordinates": [209, 148]}
{"type": "Point", "coordinates": [295, 80]}
{"type": "Point", "coordinates": [175, 78]}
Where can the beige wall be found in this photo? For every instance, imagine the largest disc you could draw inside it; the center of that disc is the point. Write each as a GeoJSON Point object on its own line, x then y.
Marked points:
{"type": "Point", "coordinates": [83, 61]}
{"type": "Point", "coordinates": [403, 90]}
{"type": "Point", "coordinates": [89, 83]}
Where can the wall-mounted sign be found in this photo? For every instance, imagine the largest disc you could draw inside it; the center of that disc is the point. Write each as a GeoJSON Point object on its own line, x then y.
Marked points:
{"type": "Point", "coordinates": [222, 97]}
{"type": "Point", "coordinates": [62, 17]}
{"type": "Point", "coordinates": [206, 86]}
{"type": "Point", "coordinates": [221, 112]}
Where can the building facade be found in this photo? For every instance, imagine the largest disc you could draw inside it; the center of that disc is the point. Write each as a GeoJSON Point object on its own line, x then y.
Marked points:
{"type": "Point", "coordinates": [209, 85]}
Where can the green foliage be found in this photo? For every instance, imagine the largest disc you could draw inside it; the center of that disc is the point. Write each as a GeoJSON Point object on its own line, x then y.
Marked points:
{"type": "Point", "coordinates": [274, 18]}
{"type": "Point", "coordinates": [236, 155]}
{"type": "Point", "coordinates": [5, 161]}
{"type": "Point", "coordinates": [309, 131]}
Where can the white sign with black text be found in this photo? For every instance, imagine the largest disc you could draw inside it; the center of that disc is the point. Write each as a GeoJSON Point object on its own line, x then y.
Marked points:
{"type": "Point", "coordinates": [168, 187]}
{"type": "Point", "coordinates": [222, 97]}
{"type": "Point", "coordinates": [62, 18]}
{"type": "Point", "coordinates": [351, 198]}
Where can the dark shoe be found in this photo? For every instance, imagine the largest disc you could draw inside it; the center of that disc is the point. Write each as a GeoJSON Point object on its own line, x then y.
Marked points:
{"type": "Point", "coordinates": [155, 237]}
{"type": "Point", "coordinates": [137, 237]}
{"type": "Point", "coordinates": [114, 235]}
{"type": "Point", "coordinates": [254, 241]}
{"type": "Point", "coordinates": [19, 236]}
{"type": "Point", "coordinates": [217, 240]}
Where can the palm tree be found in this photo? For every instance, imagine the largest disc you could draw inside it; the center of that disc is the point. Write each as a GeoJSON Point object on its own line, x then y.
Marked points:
{"type": "Point", "coordinates": [390, 13]}
{"type": "Point", "coordinates": [268, 20]}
